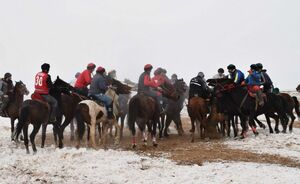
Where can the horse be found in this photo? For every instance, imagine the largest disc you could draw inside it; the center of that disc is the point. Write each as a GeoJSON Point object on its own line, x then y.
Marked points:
{"type": "Point", "coordinates": [144, 110]}
{"type": "Point", "coordinates": [16, 99]}
{"type": "Point", "coordinates": [92, 114]}
{"type": "Point", "coordinates": [69, 102]}
{"type": "Point", "coordinates": [173, 109]}
{"type": "Point", "coordinates": [197, 110]}
{"type": "Point", "coordinates": [298, 88]}
{"type": "Point", "coordinates": [123, 104]}
{"type": "Point", "coordinates": [289, 104]}
{"type": "Point", "coordinates": [36, 112]}
{"type": "Point", "coordinates": [239, 98]}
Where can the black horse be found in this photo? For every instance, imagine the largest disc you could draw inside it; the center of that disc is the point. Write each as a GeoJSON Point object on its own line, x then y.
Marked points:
{"type": "Point", "coordinates": [173, 109]}
{"type": "Point", "coordinates": [238, 99]}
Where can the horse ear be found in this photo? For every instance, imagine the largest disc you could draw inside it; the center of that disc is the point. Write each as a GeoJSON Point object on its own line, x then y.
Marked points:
{"type": "Point", "coordinates": [57, 77]}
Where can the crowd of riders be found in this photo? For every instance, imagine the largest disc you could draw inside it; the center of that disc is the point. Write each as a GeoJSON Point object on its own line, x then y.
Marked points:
{"type": "Point", "coordinates": [96, 86]}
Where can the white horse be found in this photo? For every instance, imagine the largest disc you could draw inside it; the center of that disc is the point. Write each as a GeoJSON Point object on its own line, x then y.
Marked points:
{"type": "Point", "coordinates": [92, 114]}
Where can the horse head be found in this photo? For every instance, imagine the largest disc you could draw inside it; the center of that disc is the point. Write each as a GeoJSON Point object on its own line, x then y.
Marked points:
{"type": "Point", "coordinates": [180, 86]}
{"type": "Point", "coordinates": [298, 88]}
{"type": "Point", "coordinates": [169, 91]}
{"type": "Point", "coordinates": [221, 85]}
{"type": "Point", "coordinates": [61, 86]}
{"type": "Point", "coordinates": [20, 88]}
{"type": "Point", "coordinates": [120, 87]}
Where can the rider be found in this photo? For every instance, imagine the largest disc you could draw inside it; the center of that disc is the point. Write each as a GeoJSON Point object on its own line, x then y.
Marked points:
{"type": "Point", "coordinates": [253, 82]}
{"type": "Point", "coordinates": [220, 74]}
{"type": "Point", "coordinates": [265, 79]}
{"type": "Point", "coordinates": [5, 86]}
{"type": "Point", "coordinates": [146, 85]}
{"type": "Point", "coordinates": [174, 78]}
{"type": "Point", "coordinates": [198, 87]}
{"type": "Point", "coordinates": [84, 79]}
{"type": "Point", "coordinates": [73, 81]}
{"type": "Point", "coordinates": [98, 87]}
{"type": "Point", "coordinates": [235, 74]}
{"type": "Point", "coordinates": [43, 84]}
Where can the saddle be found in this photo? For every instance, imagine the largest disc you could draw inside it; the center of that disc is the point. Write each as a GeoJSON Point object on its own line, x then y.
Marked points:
{"type": "Point", "coordinates": [37, 96]}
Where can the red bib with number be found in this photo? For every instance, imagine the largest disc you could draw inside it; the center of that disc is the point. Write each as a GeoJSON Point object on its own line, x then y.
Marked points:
{"type": "Point", "coordinates": [40, 85]}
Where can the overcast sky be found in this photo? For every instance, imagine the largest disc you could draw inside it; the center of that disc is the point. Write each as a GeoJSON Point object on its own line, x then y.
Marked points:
{"type": "Point", "coordinates": [184, 37]}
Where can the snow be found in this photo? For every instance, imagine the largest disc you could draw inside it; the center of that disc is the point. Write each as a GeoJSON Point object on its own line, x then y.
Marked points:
{"type": "Point", "coordinates": [70, 165]}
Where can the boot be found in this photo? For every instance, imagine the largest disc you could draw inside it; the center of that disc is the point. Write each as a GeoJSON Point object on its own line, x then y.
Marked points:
{"type": "Point", "coordinates": [260, 98]}
{"type": "Point", "coordinates": [52, 116]}
{"type": "Point", "coordinates": [110, 112]}
{"type": "Point", "coordinates": [2, 107]}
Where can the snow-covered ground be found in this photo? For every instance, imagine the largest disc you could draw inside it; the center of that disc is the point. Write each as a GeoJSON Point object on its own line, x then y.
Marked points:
{"type": "Point", "coordinates": [70, 165]}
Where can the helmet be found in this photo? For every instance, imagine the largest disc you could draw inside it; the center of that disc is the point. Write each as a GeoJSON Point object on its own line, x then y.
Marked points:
{"type": "Point", "coordinates": [231, 67]}
{"type": "Point", "coordinates": [259, 66]}
{"type": "Point", "coordinates": [174, 76]}
{"type": "Point", "coordinates": [200, 74]}
{"type": "Point", "coordinates": [253, 67]}
{"type": "Point", "coordinates": [163, 70]}
{"type": "Point", "coordinates": [158, 71]}
{"type": "Point", "coordinates": [100, 69]}
{"type": "Point", "coordinates": [91, 66]}
{"type": "Point", "coordinates": [148, 67]}
{"type": "Point", "coordinates": [45, 67]}
{"type": "Point", "coordinates": [77, 74]}
{"type": "Point", "coordinates": [7, 75]}
{"type": "Point", "coordinates": [220, 70]}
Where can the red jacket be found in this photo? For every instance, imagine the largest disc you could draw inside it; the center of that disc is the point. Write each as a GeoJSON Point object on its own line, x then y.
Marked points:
{"type": "Point", "coordinates": [158, 79]}
{"type": "Point", "coordinates": [41, 85]}
{"type": "Point", "coordinates": [84, 79]}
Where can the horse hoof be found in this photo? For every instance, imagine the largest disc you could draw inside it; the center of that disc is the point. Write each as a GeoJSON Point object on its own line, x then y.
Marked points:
{"type": "Point", "coordinates": [263, 126]}
{"type": "Point", "coordinates": [27, 152]}
{"type": "Point", "coordinates": [284, 131]}
{"type": "Point", "coordinates": [42, 146]}
{"type": "Point", "coordinates": [277, 131]}
{"type": "Point", "coordinates": [155, 144]}
{"type": "Point", "coordinates": [133, 146]}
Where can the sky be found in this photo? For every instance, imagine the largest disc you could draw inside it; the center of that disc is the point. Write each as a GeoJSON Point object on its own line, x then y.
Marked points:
{"type": "Point", "coordinates": [184, 37]}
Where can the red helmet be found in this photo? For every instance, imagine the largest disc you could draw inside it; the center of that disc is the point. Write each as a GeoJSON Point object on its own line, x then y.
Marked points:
{"type": "Point", "coordinates": [91, 66]}
{"type": "Point", "coordinates": [148, 66]}
{"type": "Point", "coordinates": [100, 69]}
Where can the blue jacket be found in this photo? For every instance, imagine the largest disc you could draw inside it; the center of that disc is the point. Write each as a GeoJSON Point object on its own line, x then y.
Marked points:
{"type": "Point", "coordinates": [98, 85]}
{"type": "Point", "coordinates": [237, 76]}
{"type": "Point", "coordinates": [254, 79]}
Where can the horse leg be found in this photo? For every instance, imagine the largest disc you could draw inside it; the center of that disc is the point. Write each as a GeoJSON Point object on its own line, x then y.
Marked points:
{"type": "Point", "coordinates": [105, 128]}
{"type": "Point", "coordinates": [261, 125]}
{"type": "Point", "coordinates": [252, 124]}
{"type": "Point", "coordinates": [291, 114]}
{"type": "Point", "coordinates": [276, 118]}
{"type": "Point", "coordinates": [44, 129]}
{"type": "Point", "coordinates": [230, 120]}
{"type": "Point", "coordinates": [59, 133]}
{"type": "Point", "coordinates": [25, 132]}
{"type": "Point", "coordinates": [72, 130]}
{"type": "Point", "coordinates": [12, 127]}
{"type": "Point", "coordinates": [122, 125]}
{"type": "Point", "coordinates": [192, 130]}
{"type": "Point", "coordinates": [161, 125]}
{"type": "Point", "coordinates": [118, 132]}
{"type": "Point", "coordinates": [92, 133]}
{"type": "Point", "coordinates": [35, 130]}
{"type": "Point", "coordinates": [178, 124]}
{"type": "Point", "coordinates": [267, 116]}
{"type": "Point", "coordinates": [154, 133]}
{"type": "Point", "coordinates": [168, 122]}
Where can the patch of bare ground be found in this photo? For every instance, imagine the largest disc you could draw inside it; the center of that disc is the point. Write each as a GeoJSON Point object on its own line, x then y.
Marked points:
{"type": "Point", "coordinates": [181, 150]}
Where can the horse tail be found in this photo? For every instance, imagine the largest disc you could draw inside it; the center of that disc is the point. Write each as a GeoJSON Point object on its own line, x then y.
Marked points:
{"type": "Point", "coordinates": [296, 105]}
{"type": "Point", "coordinates": [132, 113]}
{"type": "Point", "coordinates": [80, 120]}
{"type": "Point", "coordinates": [23, 118]}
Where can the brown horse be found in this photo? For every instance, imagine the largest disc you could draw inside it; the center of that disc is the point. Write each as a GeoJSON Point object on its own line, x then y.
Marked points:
{"type": "Point", "coordinates": [15, 101]}
{"type": "Point", "coordinates": [198, 110]}
{"type": "Point", "coordinates": [298, 88]}
{"type": "Point", "coordinates": [144, 110]}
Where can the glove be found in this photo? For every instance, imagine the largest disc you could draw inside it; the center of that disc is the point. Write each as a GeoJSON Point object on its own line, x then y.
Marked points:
{"type": "Point", "coordinates": [159, 88]}
{"type": "Point", "coordinates": [5, 96]}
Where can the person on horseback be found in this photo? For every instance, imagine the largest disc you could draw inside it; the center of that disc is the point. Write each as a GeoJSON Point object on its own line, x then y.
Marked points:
{"type": "Point", "coordinates": [146, 85]}
{"type": "Point", "coordinates": [198, 87]}
{"type": "Point", "coordinates": [220, 74]}
{"type": "Point", "coordinates": [6, 86]}
{"type": "Point", "coordinates": [43, 84]}
{"type": "Point", "coordinates": [73, 81]}
{"type": "Point", "coordinates": [84, 79]}
{"type": "Point", "coordinates": [174, 78]}
{"type": "Point", "coordinates": [265, 79]}
{"type": "Point", "coordinates": [253, 82]}
{"type": "Point", "coordinates": [236, 75]}
{"type": "Point", "coordinates": [98, 87]}
{"type": "Point", "coordinates": [112, 74]}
